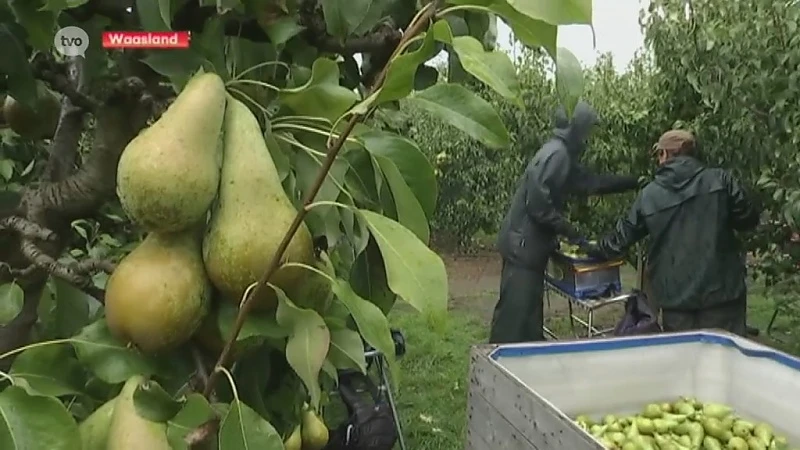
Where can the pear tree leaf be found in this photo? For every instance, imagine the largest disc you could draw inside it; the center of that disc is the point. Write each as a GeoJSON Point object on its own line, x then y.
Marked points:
{"type": "Point", "coordinates": [534, 32]}
{"type": "Point", "coordinates": [569, 79]}
{"type": "Point", "coordinates": [154, 403]}
{"type": "Point", "coordinates": [242, 428]}
{"type": "Point", "coordinates": [33, 421]}
{"type": "Point", "coordinates": [39, 24]}
{"type": "Point", "coordinates": [368, 277]}
{"type": "Point", "coordinates": [369, 319]}
{"type": "Point", "coordinates": [414, 166]}
{"type": "Point", "coordinates": [321, 96]}
{"type": "Point", "coordinates": [347, 350]}
{"type": "Point", "coordinates": [456, 105]}
{"type": "Point", "coordinates": [308, 343]}
{"type": "Point", "coordinates": [413, 271]}
{"type": "Point", "coordinates": [195, 412]}
{"type": "Point", "coordinates": [72, 308]}
{"type": "Point", "coordinates": [493, 68]}
{"type": "Point", "coordinates": [50, 370]}
{"type": "Point", "coordinates": [342, 17]}
{"type": "Point", "coordinates": [563, 12]}
{"type": "Point", "coordinates": [409, 211]}
{"type": "Point", "coordinates": [151, 14]}
{"type": "Point", "coordinates": [108, 358]}
{"type": "Point", "coordinates": [399, 80]}
{"type": "Point", "coordinates": [257, 326]}
{"type": "Point", "coordinates": [11, 299]}
{"type": "Point", "coordinates": [60, 5]}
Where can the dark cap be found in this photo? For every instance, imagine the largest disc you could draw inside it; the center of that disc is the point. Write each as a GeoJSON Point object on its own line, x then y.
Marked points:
{"type": "Point", "coordinates": [675, 142]}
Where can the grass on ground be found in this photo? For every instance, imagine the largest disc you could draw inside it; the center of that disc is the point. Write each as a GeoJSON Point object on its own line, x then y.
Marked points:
{"type": "Point", "coordinates": [432, 391]}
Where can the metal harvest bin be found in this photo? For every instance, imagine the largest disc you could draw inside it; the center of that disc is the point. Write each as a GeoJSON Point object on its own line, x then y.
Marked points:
{"type": "Point", "coordinates": [584, 278]}
{"type": "Point", "coordinates": [522, 396]}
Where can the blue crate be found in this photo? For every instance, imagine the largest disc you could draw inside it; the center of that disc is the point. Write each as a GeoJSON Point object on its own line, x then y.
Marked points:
{"type": "Point", "coordinates": [584, 278]}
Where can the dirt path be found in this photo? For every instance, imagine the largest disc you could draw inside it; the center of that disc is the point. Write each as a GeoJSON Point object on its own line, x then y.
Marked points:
{"type": "Point", "coordinates": [474, 286]}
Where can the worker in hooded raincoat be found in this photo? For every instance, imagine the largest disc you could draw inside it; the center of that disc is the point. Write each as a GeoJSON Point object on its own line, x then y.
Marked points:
{"type": "Point", "coordinates": [695, 262]}
{"type": "Point", "coordinates": [535, 219]}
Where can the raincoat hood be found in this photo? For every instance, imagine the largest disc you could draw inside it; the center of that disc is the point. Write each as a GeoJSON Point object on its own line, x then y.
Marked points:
{"type": "Point", "coordinates": [678, 172]}
{"type": "Point", "coordinates": [575, 132]}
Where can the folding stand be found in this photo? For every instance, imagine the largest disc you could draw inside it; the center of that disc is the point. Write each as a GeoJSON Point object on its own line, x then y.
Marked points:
{"type": "Point", "coordinates": [378, 360]}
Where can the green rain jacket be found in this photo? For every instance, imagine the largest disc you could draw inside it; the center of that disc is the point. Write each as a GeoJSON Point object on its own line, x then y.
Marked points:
{"type": "Point", "coordinates": [691, 213]}
{"type": "Point", "coordinates": [535, 217]}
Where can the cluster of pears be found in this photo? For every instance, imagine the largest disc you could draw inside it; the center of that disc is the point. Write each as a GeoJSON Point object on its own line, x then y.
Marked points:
{"type": "Point", "coordinates": [686, 424]}
{"type": "Point", "coordinates": [202, 183]}
{"type": "Point", "coordinates": [311, 434]}
{"type": "Point", "coordinates": [205, 156]}
{"type": "Point", "coordinates": [116, 425]}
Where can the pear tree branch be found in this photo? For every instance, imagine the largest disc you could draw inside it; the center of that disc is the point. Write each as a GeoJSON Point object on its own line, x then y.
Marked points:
{"type": "Point", "coordinates": [416, 27]}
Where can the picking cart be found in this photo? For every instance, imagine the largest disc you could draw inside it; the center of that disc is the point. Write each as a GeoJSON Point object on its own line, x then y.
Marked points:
{"type": "Point", "coordinates": [588, 285]}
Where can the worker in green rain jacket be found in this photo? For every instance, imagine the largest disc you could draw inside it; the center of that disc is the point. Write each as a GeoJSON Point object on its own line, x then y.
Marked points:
{"type": "Point", "coordinates": [695, 263]}
{"type": "Point", "coordinates": [528, 234]}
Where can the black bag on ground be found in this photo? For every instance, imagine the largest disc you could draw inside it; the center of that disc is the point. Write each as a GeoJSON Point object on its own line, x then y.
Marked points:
{"type": "Point", "coordinates": [370, 425]}
{"type": "Point", "coordinates": [639, 317]}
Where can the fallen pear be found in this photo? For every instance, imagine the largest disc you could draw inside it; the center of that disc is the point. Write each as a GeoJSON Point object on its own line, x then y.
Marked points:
{"type": "Point", "coordinates": [129, 430]}
{"type": "Point", "coordinates": [314, 432]}
{"type": "Point", "coordinates": [94, 429]}
{"type": "Point", "coordinates": [294, 441]}
{"type": "Point", "coordinates": [168, 175]}
{"type": "Point", "coordinates": [251, 215]}
{"type": "Point", "coordinates": [159, 294]}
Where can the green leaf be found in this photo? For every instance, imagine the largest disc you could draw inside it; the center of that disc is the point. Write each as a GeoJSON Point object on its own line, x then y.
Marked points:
{"type": "Point", "coordinates": [494, 68]}
{"type": "Point", "coordinates": [415, 167]}
{"type": "Point", "coordinates": [347, 350]}
{"type": "Point", "coordinates": [50, 370]}
{"type": "Point", "coordinates": [72, 308]}
{"type": "Point", "coordinates": [243, 428]}
{"type": "Point", "coordinates": [107, 357]}
{"type": "Point", "coordinates": [413, 271]}
{"type": "Point", "coordinates": [151, 15]}
{"type": "Point", "coordinates": [257, 326]}
{"type": "Point", "coordinates": [457, 106]}
{"type": "Point", "coordinates": [409, 211]}
{"type": "Point", "coordinates": [40, 25]}
{"type": "Point", "coordinates": [399, 80]}
{"type": "Point", "coordinates": [35, 422]}
{"type": "Point", "coordinates": [60, 5]}
{"type": "Point", "coordinates": [177, 65]}
{"type": "Point", "coordinates": [344, 16]}
{"type": "Point", "coordinates": [563, 12]}
{"type": "Point", "coordinates": [195, 412]}
{"type": "Point", "coordinates": [154, 403]}
{"type": "Point", "coordinates": [12, 298]}
{"type": "Point", "coordinates": [14, 63]}
{"type": "Point", "coordinates": [164, 9]}
{"type": "Point", "coordinates": [569, 79]}
{"type": "Point", "coordinates": [368, 278]}
{"type": "Point", "coordinates": [283, 29]}
{"type": "Point", "coordinates": [307, 345]}
{"type": "Point", "coordinates": [531, 32]}
{"type": "Point", "coordinates": [371, 323]}
{"type": "Point", "coordinates": [377, 10]}
{"type": "Point", "coordinates": [321, 96]}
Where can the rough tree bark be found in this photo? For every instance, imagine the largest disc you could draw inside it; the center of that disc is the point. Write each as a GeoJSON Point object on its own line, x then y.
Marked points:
{"type": "Point", "coordinates": [35, 232]}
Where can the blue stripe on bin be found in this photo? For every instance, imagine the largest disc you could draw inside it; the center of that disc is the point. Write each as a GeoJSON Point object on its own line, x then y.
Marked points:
{"type": "Point", "coordinates": [555, 348]}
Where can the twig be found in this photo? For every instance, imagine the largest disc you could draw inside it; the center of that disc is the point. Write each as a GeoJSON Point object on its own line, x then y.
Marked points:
{"type": "Point", "coordinates": [414, 28]}
{"type": "Point", "coordinates": [202, 433]}
{"type": "Point", "coordinates": [26, 228]}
